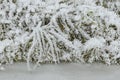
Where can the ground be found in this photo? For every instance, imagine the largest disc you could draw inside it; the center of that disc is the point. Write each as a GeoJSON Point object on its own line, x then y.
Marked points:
{"type": "Point", "coordinates": [72, 71]}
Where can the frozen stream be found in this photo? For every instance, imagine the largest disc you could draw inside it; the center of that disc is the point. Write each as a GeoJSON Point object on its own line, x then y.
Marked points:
{"type": "Point", "coordinates": [72, 71]}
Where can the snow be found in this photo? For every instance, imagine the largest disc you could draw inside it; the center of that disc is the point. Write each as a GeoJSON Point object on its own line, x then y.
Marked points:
{"type": "Point", "coordinates": [98, 43]}
{"type": "Point", "coordinates": [53, 31]}
{"type": "Point", "coordinates": [3, 44]}
{"type": "Point", "coordinates": [73, 71]}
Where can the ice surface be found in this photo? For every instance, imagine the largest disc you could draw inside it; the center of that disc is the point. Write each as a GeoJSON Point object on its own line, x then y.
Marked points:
{"type": "Point", "coordinates": [73, 71]}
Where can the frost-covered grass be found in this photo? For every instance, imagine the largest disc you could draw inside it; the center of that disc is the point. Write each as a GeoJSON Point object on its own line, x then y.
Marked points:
{"type": "Point", "coordinates": [53, 31]}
